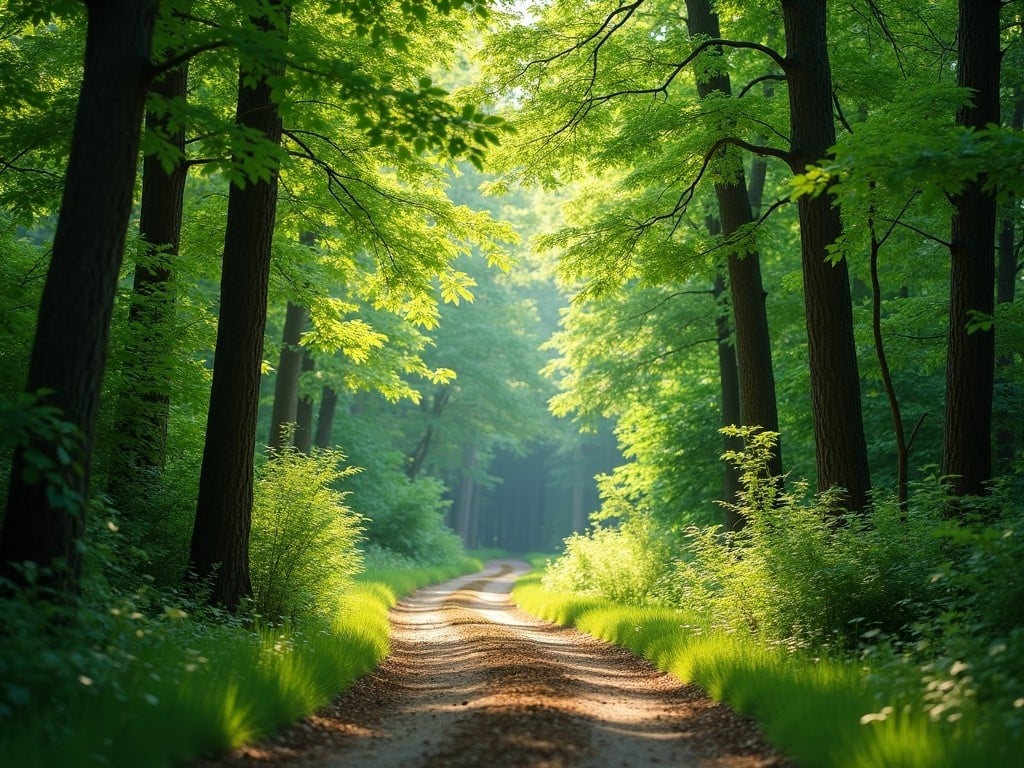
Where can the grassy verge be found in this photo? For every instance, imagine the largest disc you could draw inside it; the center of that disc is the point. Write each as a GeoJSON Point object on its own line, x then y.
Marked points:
{"type": "Point", "coordinates": [191, 687]}
{"type": "Point", "coordinates": [821, 712]}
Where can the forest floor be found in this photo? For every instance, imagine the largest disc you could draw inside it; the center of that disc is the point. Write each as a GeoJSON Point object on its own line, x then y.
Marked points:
{"type": "Point", "coordinates": [473, 681]}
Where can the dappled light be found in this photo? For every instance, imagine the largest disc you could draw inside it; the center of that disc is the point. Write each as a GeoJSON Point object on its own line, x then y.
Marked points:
{"type": "Point", "coordinates": [555, 384]}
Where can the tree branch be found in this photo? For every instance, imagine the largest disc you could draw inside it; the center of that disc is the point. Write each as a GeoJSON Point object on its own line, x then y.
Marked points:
{"type": "Point", "coordinates": [839, 111]}
{"type": "Point", "coordinates": [775, 77]}
{"type": "Point", "coordinates": [922, 233]}
{"type": "Point", "coordinates": [894, 222]}
{"type": "Point", "coordinates": [165, 66]}
{"type": "Point", "coordinates": [673, 351]}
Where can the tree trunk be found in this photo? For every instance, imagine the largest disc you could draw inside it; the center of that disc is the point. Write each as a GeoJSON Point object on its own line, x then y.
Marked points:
{"type": "Point", "coordinates": [753, 346]}
{"type": "Point", "coordinates": [69, 350]}
{"type": "Point", "coordinates": [419, 455]}
{"type": "Point", "coordinates": [841, 449]}
{"type": "Point", "coordinates": [140, 432]}
{"type": "Point", "coordinates": [970, 363]}
{"type": "Point", "coordinates": [1006, 285]}
{"type": "Point", "coordinates": [579, 511]}
{"type": "Point", "coordinates": [464, 495]}
{"type": "Point", "coordinates": [304, 409]}
{"type": "Point", "coordinates": [220, 536]}
{"type": "Point", "coordinates": [283, 415]}
{"type": "Point", "coordinates": [325, 419]}
{"type": "Point", "coordinates": [730, 393]}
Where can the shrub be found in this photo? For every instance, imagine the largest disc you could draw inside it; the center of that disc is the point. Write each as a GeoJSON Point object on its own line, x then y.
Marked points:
{"type": "Point", "coordinates": [807, 573]}
{"type": "Point", "coordinates": [303, 549]}
{"type": "Point", "coordinates": [406, 516]}
{"type": "Point", "coordinates": [623, 563]}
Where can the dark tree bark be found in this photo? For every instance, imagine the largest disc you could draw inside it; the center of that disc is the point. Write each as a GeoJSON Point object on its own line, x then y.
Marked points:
{"type": "Point", "coordinates": [841, 449]}
{"type": "Point", "coordinates": [419, 455]}
{"type": "Point", "coordinates": [970, 362]}
{"type": "Point", "coordinates": [304, 410]}
{"type": "Point", "coordinates": [283, 417]}
{"type": "Point", "coordinates": [143, 409]}
{"type": "Point", "coordinates": [325, 419]}
{"type": "Point", "coordinates": [1006, 285]}
{"type": "Point", "coordinates": [69, 350]}
{"type": "Point", "coordinates": [750, 320]}
{"type": "Point", "coordinates": [220, 536]}
{"type": "Point", "coordinates": [728, 374]}
{"type": "Point", "coordinates": [839, 428]}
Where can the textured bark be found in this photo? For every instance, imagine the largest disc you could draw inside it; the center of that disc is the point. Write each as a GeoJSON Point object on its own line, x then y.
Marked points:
{"type": "Point", "coordinates": [220, 536]}
{"type": "Point", "coordinates": [144, 407]}
{"type": "Point", "coordinates": [325, 419]}
{"type": "Point", "coordinates": [1006, 288]}
{"type": "Point", "coordinates": [750, 319]}
{"type": "Point", "coordinates": [730, 405]}
{"type": "Point", "coordinates": [970, 362]}
{"type": "Point", "coordinates": [69, 350]}
{"type": "Point", "coordinates": [841, 449]}
{"type": "Point", "coordinates": [283, 415]}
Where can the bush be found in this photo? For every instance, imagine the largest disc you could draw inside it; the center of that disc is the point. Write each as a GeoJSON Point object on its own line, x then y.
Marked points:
{"type": "Point", "coordinates": [406, 516]}
{"type": "Point", "coordinates": [303, 549]}
{"type": "Point", "coordinates": [808, 573]}
{"type": "Point", "coordinates": [623, 563]}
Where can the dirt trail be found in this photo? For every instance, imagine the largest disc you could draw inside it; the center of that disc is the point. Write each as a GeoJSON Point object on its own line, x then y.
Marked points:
{"type": "Point", "coordinates": [472, 681]}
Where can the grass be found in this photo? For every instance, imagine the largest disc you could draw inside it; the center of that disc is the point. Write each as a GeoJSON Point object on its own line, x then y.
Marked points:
{"type": "Point", "coordinates": [193, 687]}
{"type": "Point", "coordinates": [821, 712]}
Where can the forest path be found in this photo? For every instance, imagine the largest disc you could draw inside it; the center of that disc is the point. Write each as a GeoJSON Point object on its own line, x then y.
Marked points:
{"type": "Point", "coordinates": [473, 681]}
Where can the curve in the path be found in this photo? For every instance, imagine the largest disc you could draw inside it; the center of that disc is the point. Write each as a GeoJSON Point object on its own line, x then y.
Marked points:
{"type": "Point", "coordinates": [472, 681]}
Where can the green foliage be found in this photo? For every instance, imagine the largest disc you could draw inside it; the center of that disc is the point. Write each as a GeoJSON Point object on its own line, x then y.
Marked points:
{"type": "Point", "coordinates": [799, 573]}
{"type": "Point", "coordinates": [50, 447]}
{"type": "Point", "coordinates": [303, 547]}
{"type": "Point", "coordinates": [406, 516]}
{"type": "Point", "coordinates": [402, 516]}
{"type": "Point", "coordinates": [623, 563]}
{"type": "Point", "coordinates": [141, 677]}
{"type": "Point", "coordinates": [864, 712]}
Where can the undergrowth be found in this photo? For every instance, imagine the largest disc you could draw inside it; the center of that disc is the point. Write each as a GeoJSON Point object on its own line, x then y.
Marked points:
{"type": "Point", "coordinates": [899, 632]}
{"type": "Point", "coordinates": [149, 679]}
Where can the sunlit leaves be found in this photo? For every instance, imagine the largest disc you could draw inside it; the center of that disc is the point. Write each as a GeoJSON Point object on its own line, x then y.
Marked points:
{"type": "Point", "coordinates": [455, 287]}
{"type": "Point", "coordinates": [809, 184]}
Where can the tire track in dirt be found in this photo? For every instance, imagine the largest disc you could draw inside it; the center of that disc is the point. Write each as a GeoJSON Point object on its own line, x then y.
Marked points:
{"type": "Point", "coordinates": [472, 681]}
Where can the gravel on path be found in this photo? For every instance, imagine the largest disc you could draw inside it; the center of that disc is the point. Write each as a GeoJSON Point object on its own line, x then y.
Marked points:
{"type": "Point", "coordinates": [473, 681]}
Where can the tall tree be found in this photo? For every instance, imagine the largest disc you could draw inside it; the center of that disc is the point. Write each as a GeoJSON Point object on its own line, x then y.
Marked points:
{"type": "Point", "coordinates": [43, 524]}
{"type": "Point", "coordinates": [284, 414]}
{"type": "Point", "coordinates": [304, 408]}
{"type": "Point", "coordinates": [143, 410]}
{"type": "Point", "coordinates": [967, 438]}
{"type": "Point", "coordinates": [750, 319]}
{"type": "Point", "coordinates": [220, 536]}
{"type": "Point", "coordinates": [840, 445]}
{"type": "Point", "coordinates": [1008, 269]}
